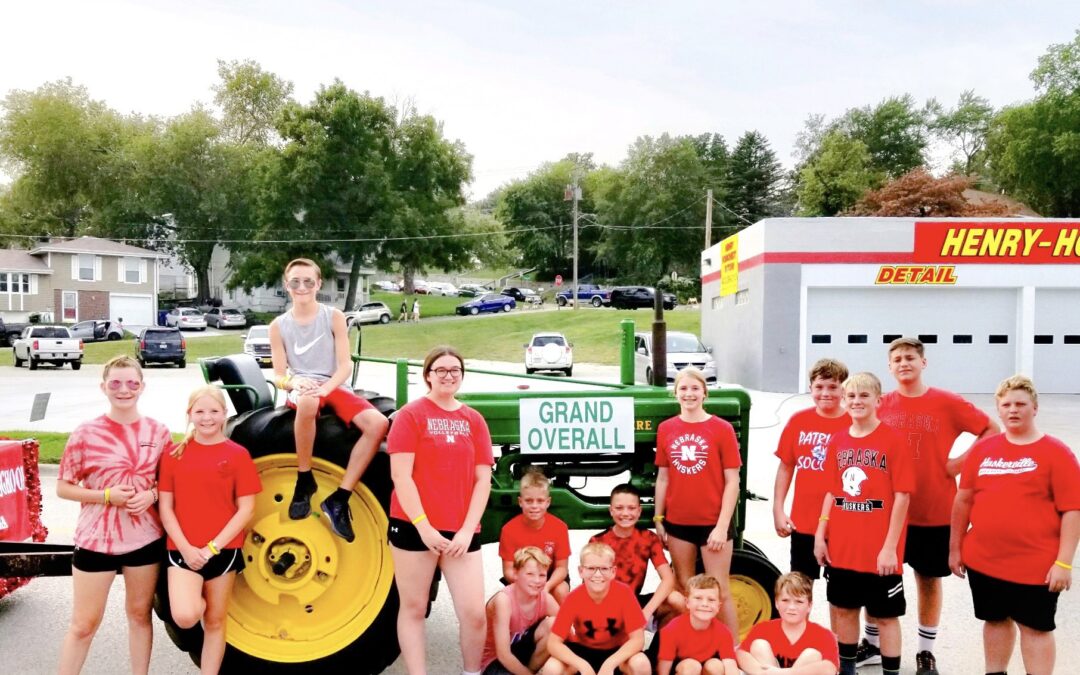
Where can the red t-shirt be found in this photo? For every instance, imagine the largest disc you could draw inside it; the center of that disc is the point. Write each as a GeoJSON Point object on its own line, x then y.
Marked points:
{"type": "Point", "coordinates": [695, 455]}
{"type": "Point", "coordinates": [802, 446]}
{"type": "Point", "coordinates": [814, 637]}
{"type": "Point", "coordinates": [103, 453]}
{"type": "Point", "coordinates": [633, 553]}
{"type": "Point", "coordinates": [600, 625]}
{"type": "Point", "coordinates": [1020, 494]}
{"type": "Point", "coordinates": [448, 446]}
{"type": "Point", "coordinates": [553, 538]}
{"type": "Point", "coordinates": [865, 474]}
{"type": "Point", "coordinates": [680, 640]}
{"type": "Point", "coordinates": [931, 423]}
{"type": "Point", "coordinates": [205, 483]}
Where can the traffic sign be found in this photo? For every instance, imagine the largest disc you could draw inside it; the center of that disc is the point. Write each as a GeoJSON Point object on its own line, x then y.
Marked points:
{"type": "Point", "coordinates": [558, 280]}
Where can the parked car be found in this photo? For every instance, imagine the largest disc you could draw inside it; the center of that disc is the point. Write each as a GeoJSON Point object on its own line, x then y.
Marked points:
{"type": "Point", "coordinates": [185, 317]}
{"type": "Point", "coordinates": [489, 302]}
{"type": "Point", "coordinates": [47, 344]}
{"type": "Point", "coordinates": [683, 349]}
{"type": "Point", "coordinates": [225, 317]}
{"type": "Point", "coordinates": [519, 294]}
{"type": "Point", "coordinates": [549, 351]}
{"type": "Point", "coordinates": [257, 344]}
{"type": "Point", "coordinates": [369, 312]}
{"type": "Point", "coordinates": [633, 297]}
{"type": "Point", "coordinates": [587, 293]}
{"type": "Point", "coordinates": [96, 331]}
{"type": "Point", "coordinates": [532, 297]}
{"type": "Point", "coordinates": [420, 287]}
{"type": "Point", "coordinates": [387, 286]}
{"type": "Point", "coordinates": [442, 288]}
{"type": "Point", "coordinates": [10, 332]}
{"type": "Point", "coordinates": [472, 290]}
{"type": "Point", "coordinates": [161, 345]}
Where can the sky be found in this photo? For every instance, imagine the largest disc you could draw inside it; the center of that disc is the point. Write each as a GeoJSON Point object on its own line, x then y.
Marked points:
{"type": "Point", "coordinates": [522, 83]}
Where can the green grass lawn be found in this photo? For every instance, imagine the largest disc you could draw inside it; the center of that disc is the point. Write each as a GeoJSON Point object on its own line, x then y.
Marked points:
{"type": "Point", "coordinates": [430, 305]}
{"type": "Point", "coordinates": [50, 444]}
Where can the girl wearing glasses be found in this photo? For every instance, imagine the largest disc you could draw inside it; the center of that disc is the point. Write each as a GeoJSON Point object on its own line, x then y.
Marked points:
{"type": "Point", "coordinates": [697, 488]}
{"type": "Point", "coordinates": [109, 466]}
{"type": "Point", "coordinates": [208, 487]}
{"type": "Point", "coordinates": [440, 462]}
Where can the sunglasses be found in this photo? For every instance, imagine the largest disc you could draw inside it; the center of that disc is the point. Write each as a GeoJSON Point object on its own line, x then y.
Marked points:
{"type": "Point", "coordinates": [132, 385]}
{"type": "Point", "coordinates": [295, 283]}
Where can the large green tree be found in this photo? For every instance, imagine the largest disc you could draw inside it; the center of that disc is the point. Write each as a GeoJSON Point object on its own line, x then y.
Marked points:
{"type": "Point", "coordinates": [895, 133]}
{"type": "Point", "coordinates": [836, 176]}
{"type": "Point", "coordinates": [250, 99]}
{"type": "Point", "coordinates": [755, 178]}
{"type": "Point", "coordinates": [965, 128]}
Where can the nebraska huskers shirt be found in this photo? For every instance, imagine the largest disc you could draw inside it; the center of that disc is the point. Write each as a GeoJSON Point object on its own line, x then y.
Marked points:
{"type": "Point", "coordinates": [695, 455]}
{"type": "Point", "coordinates": [864, 475]}
{"type": "Point", "coordinates": [802, 446]}
{"type": "Point", "coordinates": [448, 446]}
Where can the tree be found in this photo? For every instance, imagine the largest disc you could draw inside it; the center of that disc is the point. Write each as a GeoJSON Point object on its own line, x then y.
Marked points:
{"type": "Point", "coordinates": [919, 194]}
{"type": "Point", "coordinates": [754, 178]}
{"type": "Point", "coordinates": [250, 100]}
{"type": "Point", "coordinates": [840, 173]}
{"type": "Point", "coordinates": [966, 126]}
{"type": "Point", "coordinates": [894, 132]}
{"type": "Point", "coordinates": [1058, 70]}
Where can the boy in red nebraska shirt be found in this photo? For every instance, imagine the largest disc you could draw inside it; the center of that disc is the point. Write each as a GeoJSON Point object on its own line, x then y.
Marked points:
{"type": "Point", "coordinates": [791, 644]}
{"type": "Point", "coordinates": [599, 628]}
{"type": "Point", "coordinates": [802, 456]}
{"type": "Point", "coordinates": [1020, 492]}
{"type": "Point", "coordinates": [534, 526]}
{"type": "Point", "coordinates": [696, 642]}
{"type": "Point", "coordinates": [861, 527]}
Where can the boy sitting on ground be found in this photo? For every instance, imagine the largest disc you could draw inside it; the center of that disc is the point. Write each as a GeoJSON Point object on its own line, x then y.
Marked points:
{"type": "Point", "coordinates": [792, 643]}
{"type": "Point", "coordinates": [519, 618]}
{"type": "Point", "coordinates": [697, 642]}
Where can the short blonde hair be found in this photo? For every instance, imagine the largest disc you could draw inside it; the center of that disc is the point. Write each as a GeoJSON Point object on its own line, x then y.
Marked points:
{"type": "Point", "coordinates": [598, 549]}
{"type": "Point", "coordinates": [795, 584]}
{"type": "Point", "coordinates": [122, 361]}
{"type": "Point", "coordinates": [692, 373]}
{"type": "Point", "coordinates": [702, 582]}
{"type": "Point", "coordinates": [863, 381]}
{"type": "Point", "coordinates": [1018, 383]}
{"type": "Point", "coordinates": [302, 261]}
{"type": "Point", "coordinates": [534, 478]}
{"type": "Point", "coordinates": [526, 553]}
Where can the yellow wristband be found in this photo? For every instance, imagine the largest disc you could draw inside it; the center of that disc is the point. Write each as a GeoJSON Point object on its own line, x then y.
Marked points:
{"type": "Point", "coordinates": [107, 502]}
{"type": "Point", "coordinates": [823, 519]}
{"type": "Point", "coordinates": [420, 518]}
{"type": "Point", "coordinates": [213, 547]}
{"type": "Point", "coordinates": [658, 519]}
{"type": "Point", "coordinates": [1063, 565]}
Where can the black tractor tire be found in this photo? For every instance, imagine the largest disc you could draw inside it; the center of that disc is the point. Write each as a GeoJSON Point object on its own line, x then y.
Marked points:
{"type": "Point", "coordinates": [269, 431]}
{"type": "Point", "coordinates": [596, 302]}
{"type": "Point", "coordinates": [749, 546]}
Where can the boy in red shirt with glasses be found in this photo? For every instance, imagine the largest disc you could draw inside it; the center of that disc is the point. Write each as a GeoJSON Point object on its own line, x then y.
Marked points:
{"type": "Point", "coordinates": [310, 350]}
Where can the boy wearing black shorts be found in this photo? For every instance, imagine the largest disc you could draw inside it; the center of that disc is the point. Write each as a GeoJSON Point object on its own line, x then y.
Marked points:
{"type": "Point", "coordinates": [861, 527]}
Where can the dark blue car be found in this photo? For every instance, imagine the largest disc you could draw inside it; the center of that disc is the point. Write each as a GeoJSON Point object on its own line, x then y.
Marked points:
{"type": "Point", "coordinates": [489, 302]}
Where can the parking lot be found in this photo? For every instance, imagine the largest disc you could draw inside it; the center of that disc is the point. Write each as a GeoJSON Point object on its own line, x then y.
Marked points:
{"type": "Point", "coordinates": [37, 615]}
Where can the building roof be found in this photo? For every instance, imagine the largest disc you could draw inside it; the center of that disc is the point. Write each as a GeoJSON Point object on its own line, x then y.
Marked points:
{"type": "Point", "coordinates": [20, 260]}
{"type": "Point", "coordinates": [97, 246]}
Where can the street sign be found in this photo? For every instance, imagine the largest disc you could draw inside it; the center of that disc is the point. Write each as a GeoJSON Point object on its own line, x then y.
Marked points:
{"type": "Point", "coordinates": [558, 280]}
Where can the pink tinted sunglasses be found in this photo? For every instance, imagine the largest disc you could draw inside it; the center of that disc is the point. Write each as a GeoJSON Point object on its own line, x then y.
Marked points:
{"type": "Point", "coordinates": [132, 385]}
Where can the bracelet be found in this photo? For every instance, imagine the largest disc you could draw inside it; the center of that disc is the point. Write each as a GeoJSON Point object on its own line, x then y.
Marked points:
{"type": "Point", "coordinates": [1063, 565]}
{"type": "Point", "coordinates": [659, 518]}
{"type": "Point", "coordinates": [213, 547]}
{"type": "Point", "coordinates": [823, 519]}
{"type": "Point", "coordinates": [420, 518]}
{"type": "Point", "coordinates": [107, 502]}
{"type": "Point", "coordinates": [282, 381]}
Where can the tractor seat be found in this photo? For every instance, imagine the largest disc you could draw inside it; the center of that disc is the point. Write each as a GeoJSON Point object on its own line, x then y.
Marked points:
{"type": "Point", "coordinates": [243, 379]}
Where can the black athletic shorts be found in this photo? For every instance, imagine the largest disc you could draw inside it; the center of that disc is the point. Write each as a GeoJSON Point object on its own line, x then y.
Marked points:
{"type": "Point", "coordinates": [594, 657]}
{"type": "Point", "coordinates": [997, 600]}
{"type": "Point", "coordinates": [882, 596]}
{"type": "Point", "coordinates": [696, 534]}
{"type": "Point", "coordinates": [523, 649]}
{"type": "Point", "coordinates": [86, 560]}
{"type": "Point", "coordinates": [926, 549]}
{"type": "Point", "coordinates": [802, 555]}
{"type": "Point", "coordinates": [229, 560]}
{"type": "Point", "coordinates": [404, 535]}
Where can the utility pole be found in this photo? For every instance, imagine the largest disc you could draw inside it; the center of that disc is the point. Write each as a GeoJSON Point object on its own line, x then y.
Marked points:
{"type": "Point", "coordinates": [576, 197]}
{"type": "Point", "coordinates": [708, 219]}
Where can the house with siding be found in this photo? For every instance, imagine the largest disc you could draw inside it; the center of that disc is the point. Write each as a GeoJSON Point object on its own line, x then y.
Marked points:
{"type": "Point", "coordinates": [80, 279]}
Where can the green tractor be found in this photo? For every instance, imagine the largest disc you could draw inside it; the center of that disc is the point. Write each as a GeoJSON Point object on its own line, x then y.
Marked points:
{"type": "Point", "coordinates": [308, 601]}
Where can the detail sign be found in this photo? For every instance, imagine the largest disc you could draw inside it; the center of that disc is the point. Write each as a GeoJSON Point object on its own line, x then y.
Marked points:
{"type": "Point", "coordinates": [915, 275]}
{"type": "Point", "coordinates": [729, 265]}
{"type": "Point", "coordinates": [577, 425]}
{"type": "Point", "coordinates": [1013, 242]}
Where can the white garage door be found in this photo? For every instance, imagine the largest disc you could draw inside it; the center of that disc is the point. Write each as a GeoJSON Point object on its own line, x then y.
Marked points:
{"type": "Point", "coordinates": [970, 333]}
{"type": "Point", "coordinates": [135, 310]}
{"type": "Point", "coordinates": [1057, 341]}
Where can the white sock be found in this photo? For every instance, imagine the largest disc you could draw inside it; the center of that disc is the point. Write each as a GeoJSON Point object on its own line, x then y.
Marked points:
{"type": "Point", "coordinates": [872, 635]}
{"type": "Point", "coordinates": [927, 635]}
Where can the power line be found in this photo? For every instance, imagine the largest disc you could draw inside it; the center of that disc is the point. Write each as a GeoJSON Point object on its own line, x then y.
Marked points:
{"type": "Point", "coordinates": [737, 215]}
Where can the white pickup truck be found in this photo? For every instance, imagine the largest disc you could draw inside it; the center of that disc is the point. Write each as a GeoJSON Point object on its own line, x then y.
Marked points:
{"type": "Point", "coordinates": [47, 344]}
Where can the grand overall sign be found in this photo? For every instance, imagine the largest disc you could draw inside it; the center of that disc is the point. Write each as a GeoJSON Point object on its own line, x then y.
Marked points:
{"type": "Point", "coordinates": [577, 425]}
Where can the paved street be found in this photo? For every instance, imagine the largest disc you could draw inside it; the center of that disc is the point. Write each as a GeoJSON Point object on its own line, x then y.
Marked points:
{"type": "Point", "coordinates": [37, 615]}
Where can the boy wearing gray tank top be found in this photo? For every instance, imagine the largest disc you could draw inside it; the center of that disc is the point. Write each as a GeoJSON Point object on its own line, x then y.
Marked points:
{"type": "Point", "coordinates": [310, 350]}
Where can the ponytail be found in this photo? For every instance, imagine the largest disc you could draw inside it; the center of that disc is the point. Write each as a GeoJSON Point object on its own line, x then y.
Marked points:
{"type": "Point", "coordinates": [207, 390]}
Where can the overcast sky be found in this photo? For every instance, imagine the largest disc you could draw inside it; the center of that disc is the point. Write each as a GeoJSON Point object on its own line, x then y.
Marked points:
{"type": "Point", "coordinates": [523, 82]}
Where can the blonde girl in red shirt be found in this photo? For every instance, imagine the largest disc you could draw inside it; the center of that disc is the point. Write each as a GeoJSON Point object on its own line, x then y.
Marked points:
{"type": "Point", "coordinates": [208, 486]}
{"type": "Point", "coordinates": [109, 465]}
{"type": "Point", "coordinates": [697, 488]}
{"type": "Point", "coordinates": [440, 462]}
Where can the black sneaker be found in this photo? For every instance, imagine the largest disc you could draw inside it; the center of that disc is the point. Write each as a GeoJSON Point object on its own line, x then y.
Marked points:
{"type": "Point", "coordinates": [868, 654]}
{"type": "Point", "coordinates": [925, 664]}
{"type": "Point", "coordinates": [339, 515]}
{"type": "Point", "coordinates": [300, 506]}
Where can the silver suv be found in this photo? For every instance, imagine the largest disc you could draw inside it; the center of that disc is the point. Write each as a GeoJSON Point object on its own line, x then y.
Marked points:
{"type": "Point", "coordinates": [683, 349]}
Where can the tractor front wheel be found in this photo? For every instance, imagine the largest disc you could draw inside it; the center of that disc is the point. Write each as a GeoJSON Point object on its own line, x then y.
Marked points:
{"type": "Point", "coordinates": [752, 580]}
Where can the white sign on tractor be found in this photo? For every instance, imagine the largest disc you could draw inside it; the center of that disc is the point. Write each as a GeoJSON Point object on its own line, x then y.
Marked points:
{"type": "Point", "coordinates": [575, 425]}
